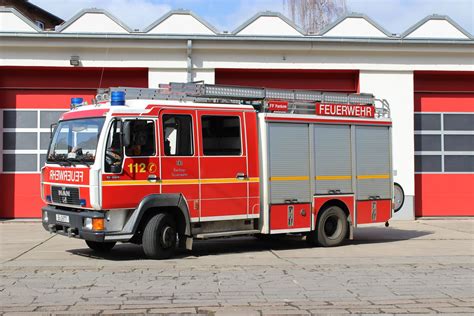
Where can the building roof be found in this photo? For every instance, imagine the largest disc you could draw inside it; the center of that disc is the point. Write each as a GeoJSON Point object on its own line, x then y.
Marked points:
{"type": "Point", "coordinates": [109, 23]}
{"type": "Point", "coordinates": [286, 26]}
{"type": "Point", "coordinates": [449, 28]}
{"type": "Point", "coordinates": [187, 28]}
{"type": "Point", "coordinates": [343, 27]}
{"type": "Point", "coordinates": [11, 20]}
{"type": "Point", "coordinates": [273, 26]}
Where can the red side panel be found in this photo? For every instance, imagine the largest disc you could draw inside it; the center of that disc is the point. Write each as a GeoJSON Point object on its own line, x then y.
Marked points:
{"type": "Point", "coordinates": [290, 216]}
{"type": "Point", "coordinates": [327, 80]}
{"type": "Point", "coordinates": [444, 194]}
{"type": "Point", "coordinates": [253, 163]}
{"type": "Point", "coordinates": [373, 211]}
{"type": "Point", "coordinates": [320, 200]}
{"type": "Point", "coordinates": [127, 189]}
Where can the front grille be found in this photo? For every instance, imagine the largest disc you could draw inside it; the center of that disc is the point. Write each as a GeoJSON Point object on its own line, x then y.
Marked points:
{"type": "Point", "coordinates": [65, 195]}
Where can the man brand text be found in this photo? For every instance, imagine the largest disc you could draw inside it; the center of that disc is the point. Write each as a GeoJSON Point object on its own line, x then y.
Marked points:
{"type": "Point", "coordinates": [345, 110]}
{"type": "Point", "coordinates": [66, 175]}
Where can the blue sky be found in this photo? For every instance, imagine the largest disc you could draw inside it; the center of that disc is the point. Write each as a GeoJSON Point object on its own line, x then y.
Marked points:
{"type": "Point", "coordinates": [394, 15]}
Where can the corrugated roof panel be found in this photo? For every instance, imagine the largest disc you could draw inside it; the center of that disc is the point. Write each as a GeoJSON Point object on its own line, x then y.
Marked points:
{"type": "Point", "coordinates": [180, 22]}
{"type": "Point", "coordinates": [437, 28]}
{"type": "Point", "coordinates": [13, 21]}
{"type": "Point", "coordinates": [355, 25]}
{"type": "Point", "coordinates": [94, 21]}
{"type": "Point", "coordinates": [268, 24]}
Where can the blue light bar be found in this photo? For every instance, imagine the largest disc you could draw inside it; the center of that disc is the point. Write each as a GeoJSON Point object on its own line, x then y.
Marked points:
{"type": "Point", "coordinates": [75, 102]}
{"type": "Point", "coordinates": [117, 98]}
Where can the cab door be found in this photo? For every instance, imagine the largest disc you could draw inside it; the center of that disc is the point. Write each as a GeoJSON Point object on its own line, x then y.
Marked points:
{"type": "Point", "coordinates": [132, 172]}
{"type": "Point", "coordinates": [179, 158]}
{"type": "Point", "coordinates": [223, 165]}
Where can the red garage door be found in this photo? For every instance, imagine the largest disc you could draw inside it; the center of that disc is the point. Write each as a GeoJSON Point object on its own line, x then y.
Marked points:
{"type": "Point", "coordinates": [444, 143]}
{"type": "Point", "coordinates": [325, 80]}
{"type": "Point", "coordinates": [31, 98]}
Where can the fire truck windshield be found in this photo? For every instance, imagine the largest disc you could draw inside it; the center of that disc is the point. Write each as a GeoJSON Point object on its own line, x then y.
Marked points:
{"type": "Point", "coordinates": [75, 141]}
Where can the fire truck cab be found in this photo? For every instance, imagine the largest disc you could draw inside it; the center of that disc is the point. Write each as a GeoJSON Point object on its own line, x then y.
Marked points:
{"type": "Point", "coordinates": [162, 167]}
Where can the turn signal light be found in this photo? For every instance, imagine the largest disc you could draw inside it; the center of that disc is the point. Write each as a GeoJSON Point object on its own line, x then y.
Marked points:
{"type": "Point", "coordinates": [98, 224]}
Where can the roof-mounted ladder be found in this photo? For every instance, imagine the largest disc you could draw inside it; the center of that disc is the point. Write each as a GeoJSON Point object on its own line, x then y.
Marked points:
{"type": "Point", "coordinates": [299, 101]}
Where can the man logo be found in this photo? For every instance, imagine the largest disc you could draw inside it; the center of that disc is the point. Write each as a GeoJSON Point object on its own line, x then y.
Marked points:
{"type": "Point", "coordinates": [179, 163]}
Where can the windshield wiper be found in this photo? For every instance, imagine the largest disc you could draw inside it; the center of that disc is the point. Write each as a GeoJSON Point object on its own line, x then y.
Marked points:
{"type": "Point", "coordinates": [80, 159]}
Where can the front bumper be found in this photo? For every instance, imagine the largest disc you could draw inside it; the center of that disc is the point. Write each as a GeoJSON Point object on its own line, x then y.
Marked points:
{"type": "Point", "coordinates": [75, 226]}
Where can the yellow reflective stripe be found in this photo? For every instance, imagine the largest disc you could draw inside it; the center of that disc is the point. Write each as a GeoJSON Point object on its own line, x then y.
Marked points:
{"type": "Point", "coordinates": [179, 181]}
{"type": "Point", "coordinates": [127, 182]}
{"type": "Point", "coordinates": [373, 176]}
{"type": "Point", "coordinates": [333, 177]}
{"type": "Point", "coordinates": [290, 178]}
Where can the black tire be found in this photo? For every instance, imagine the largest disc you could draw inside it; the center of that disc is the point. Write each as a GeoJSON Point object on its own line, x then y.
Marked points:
{"type": "Point", "coordinates": [401, 198]}
{"type": "Point", "coordinates": [159, 237]}
{"type": "Point", "coordinates": [332, 227]}
{"type": "Point", "coordinates": [100, 246]}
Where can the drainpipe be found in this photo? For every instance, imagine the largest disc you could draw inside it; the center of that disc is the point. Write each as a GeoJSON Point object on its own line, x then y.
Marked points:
{"type": "Point", "coordinates": [189, 58]}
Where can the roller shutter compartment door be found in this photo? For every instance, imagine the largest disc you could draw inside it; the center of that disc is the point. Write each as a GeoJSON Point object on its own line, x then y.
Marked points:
{"type": "Point", "coordinates": [444, 144]}
{"type": "Point", "coordinates": [332, 159]}
{"type": "Point", "coordinates": [289, 163]}
{"type": "Point", "coordinates": [373, 162]}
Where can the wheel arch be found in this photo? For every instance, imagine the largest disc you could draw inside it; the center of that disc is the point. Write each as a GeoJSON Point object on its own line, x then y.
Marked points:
{"type": "Point", "coordinates": [332, 202]}
{"type": "Point", "coordinates": [174, 204]}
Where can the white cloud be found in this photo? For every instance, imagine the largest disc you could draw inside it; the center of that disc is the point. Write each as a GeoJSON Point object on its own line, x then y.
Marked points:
{"type": "Point", "coordinates": [137, 14]}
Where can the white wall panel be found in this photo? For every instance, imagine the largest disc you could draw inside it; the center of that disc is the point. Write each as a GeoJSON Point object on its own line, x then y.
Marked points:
{"type": "Point", "coordinates": [355, 27]}
{"type": "Point", "coordinates": [269, 25]}
{"type": "Point", "coordinates": [9, 22]}
{"type": "Point", "coordinates": [397, 89]}
{"type": "Point", "coordinates": [437, 29]}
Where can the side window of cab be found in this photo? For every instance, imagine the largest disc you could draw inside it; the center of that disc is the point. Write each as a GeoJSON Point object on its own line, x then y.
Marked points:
{"type": "Point", "coordinates": [142, 139]}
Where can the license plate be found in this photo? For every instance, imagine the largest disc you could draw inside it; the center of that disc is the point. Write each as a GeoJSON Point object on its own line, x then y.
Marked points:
{"type": "Point", "coordinates": [62, 218]}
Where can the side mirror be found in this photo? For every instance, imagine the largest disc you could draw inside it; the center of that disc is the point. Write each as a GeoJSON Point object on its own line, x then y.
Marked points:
{"type": "Point", "coordinates": [127, 133]}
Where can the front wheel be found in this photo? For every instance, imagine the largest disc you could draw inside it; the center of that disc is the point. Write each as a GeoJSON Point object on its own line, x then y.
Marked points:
{"type": "Point", "coordinates": [159, 237]}
{"type": "Point", "coordinates": [332, 227]}
{"type": "Point", "coordinates": [100, 246]}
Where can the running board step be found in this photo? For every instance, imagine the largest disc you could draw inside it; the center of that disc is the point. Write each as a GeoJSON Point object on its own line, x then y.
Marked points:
{"type": "Point", "coordinates": [227, 234]}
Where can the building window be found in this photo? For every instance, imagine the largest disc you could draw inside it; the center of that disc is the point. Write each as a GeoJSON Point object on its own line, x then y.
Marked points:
{"type": "Point", "coordinates": [39, 24]}
{"type": "Point", "coordinates": [444, 142]}
{"type": "Point", "coordinates": [25, 139]}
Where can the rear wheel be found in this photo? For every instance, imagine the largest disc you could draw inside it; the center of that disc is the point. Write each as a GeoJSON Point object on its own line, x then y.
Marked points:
{"type": "Point", "coordinates": [100, 246]}
{"type": "Point", "coordinates": [331, 228]}
{"type": "Point", "coordinates": [398, 197]}
{"type": "Point", "coordinates": [159, 237]}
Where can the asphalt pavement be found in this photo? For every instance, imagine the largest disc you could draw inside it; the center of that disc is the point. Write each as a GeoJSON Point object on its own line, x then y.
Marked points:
{"type": "Point", "coordinates": [411, 267]}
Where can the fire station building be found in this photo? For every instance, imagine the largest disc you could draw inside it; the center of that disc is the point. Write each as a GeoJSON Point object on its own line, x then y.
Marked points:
{"type": "Point", "coordinates": [426, 74]}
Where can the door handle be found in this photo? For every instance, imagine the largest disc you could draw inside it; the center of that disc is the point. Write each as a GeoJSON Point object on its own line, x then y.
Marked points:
{"type": "Point", "coordinates": [241, 176]}
{"type": "Point", "coordinates": [153, 178]}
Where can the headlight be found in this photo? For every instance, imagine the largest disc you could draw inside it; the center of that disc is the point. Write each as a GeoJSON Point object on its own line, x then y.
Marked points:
{"type": "Point", "coordinates": [45, 216]}
{"type": "Point", "coordinates": [88, 223]}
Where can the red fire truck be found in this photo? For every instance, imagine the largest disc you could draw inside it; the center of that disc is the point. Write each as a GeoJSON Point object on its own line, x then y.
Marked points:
{"type": "Point", "coordinates": [162, 167]}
